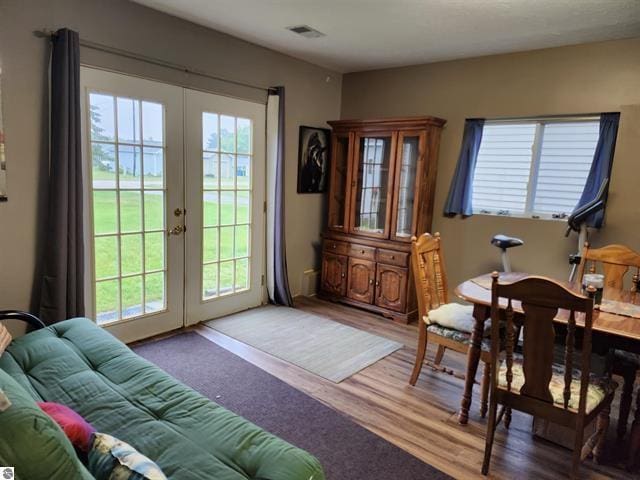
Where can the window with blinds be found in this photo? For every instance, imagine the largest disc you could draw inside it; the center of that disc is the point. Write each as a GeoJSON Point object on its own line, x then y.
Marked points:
{"type": "Point", "coordinates": [534, 168]}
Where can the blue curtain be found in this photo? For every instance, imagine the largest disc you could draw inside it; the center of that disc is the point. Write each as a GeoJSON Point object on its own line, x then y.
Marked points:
{"type": "Point", "coordinates": [461, 190]}
{"type": "Point", "coordinates": [62, 288]}
{"type": "Point", "coordinates": [601, 166]}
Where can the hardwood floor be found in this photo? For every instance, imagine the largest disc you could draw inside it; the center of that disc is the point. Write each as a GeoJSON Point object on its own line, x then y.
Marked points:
{"type": "Point", "coordinates": [422, 419]}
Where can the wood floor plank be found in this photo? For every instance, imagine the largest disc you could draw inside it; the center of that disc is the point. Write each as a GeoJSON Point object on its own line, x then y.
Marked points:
{"type": "Point", "coordinates": [422, 419]}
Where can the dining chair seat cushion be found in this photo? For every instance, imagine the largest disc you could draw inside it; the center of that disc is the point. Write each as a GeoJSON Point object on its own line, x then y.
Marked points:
{"type": "Point", "coordinates": [599, 387]}
{"type": "Point", "coordinates": [454, 316]}
{"type": "Point", "coordinates": [457, 335]}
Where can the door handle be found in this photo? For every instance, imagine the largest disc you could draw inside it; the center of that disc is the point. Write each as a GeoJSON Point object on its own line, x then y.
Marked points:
{"type": "Point", "coordinates": [177, 230]}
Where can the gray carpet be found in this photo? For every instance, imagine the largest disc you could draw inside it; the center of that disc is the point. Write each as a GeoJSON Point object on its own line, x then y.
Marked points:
{"type": "Point", "coordinates": [346, 450]}
{"type": "Point", "coordinates": [329, 349]}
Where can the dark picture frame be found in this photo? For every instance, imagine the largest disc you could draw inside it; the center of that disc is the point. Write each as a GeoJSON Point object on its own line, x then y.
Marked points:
{"type": "Point", "coordinates": [314, 155]}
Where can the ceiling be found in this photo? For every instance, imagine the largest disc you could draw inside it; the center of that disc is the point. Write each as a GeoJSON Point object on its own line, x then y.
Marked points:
{"type": "Point", "coordinates": [371, 34]}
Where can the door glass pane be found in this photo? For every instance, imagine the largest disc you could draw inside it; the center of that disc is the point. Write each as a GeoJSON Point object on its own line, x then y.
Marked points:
{"type": "Point", "coordinates": [407, 183]}
{"type": "Point", "coordinates": [128, 170]}
{"type": "Point", "coordinates": [131, 251]}
{"type": "Point", "coordinates": [105, 211]}
{"type": "Point", "coordinates": [154, 292]}
{"type": "Point", "coordinates": [132, 297]}
{"type": "Point", "coordinates": [103, 165]}
{"type": "Point", "coordinates": [128, 120]}
{"type": "Point", "coordinates": [130, 161]}
{"type": "Point", "coordinates": [227, 163]}
{"type": "Point", "coordinates": [339, 184]}
{"type": "Point", "coordinates": [153, 167]}
{"type": "Point", "coordinates": [106, 255]}
{"type": "Point", "coordinates": [372, 184]}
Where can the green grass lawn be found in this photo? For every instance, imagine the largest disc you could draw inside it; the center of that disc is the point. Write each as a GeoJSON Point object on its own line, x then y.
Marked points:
{"type": "Point", "coordinates": [149, 288]}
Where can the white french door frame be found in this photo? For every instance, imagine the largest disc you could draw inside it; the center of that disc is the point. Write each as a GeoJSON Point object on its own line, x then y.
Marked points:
{"type": "Point", "coordinates": [198, 309]}
{"type": "Point", "coordinates": [183, 178]}
{"type": "Point", "coordinates": [170, 97]}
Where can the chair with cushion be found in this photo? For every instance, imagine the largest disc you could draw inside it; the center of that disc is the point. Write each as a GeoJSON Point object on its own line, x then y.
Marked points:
{"type": "Point", "coordinates": [615, 262]}
{"type": "Point", "coordinates": [448, 325]}
{"type": "Point", "coordinates": [530, 382]}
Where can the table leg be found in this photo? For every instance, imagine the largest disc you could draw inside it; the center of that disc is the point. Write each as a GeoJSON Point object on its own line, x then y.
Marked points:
{"type": "Point", "coordinates": [480, 314]}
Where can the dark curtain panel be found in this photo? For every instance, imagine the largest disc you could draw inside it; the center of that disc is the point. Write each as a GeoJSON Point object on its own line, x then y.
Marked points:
{"type": "Point", "coordinates": [461, 189]}
{"type": "Point", "coordinates": [62, 291]}
{"type": "Point", "coordinates": [601, 166]}
{"type": "Point", "coordinates": [281, 294]}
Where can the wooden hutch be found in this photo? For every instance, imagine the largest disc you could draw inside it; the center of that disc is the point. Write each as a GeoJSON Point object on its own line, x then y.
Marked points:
{"type": "Point", "coordinates": [382, 184]}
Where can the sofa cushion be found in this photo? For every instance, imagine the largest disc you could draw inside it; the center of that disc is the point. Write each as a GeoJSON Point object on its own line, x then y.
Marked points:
{"type": "Point", "coordinates": [111, 458]}
{"type": "Point", "coordinates": [82, 366]}
{"type": "Point", "coordinates": [32, 442]}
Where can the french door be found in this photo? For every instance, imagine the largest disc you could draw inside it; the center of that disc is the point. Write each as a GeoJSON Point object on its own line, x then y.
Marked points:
{"type": "Point", "coordinates": [225, 148]}
{"type": "Point", "coordinates": [175, 194]}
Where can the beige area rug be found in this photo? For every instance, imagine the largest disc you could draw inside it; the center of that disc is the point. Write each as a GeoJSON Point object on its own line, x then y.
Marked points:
{"type": "Point", "coordinates": [329, 349]}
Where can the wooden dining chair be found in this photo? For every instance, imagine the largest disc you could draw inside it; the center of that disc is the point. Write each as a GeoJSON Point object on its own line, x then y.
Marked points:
{"type": "Point", "coordinates": [430, 279]}
{"type": "Point", "coordinates": [530, 382]}
{"type": "Point", "coordinates": [616, 262]}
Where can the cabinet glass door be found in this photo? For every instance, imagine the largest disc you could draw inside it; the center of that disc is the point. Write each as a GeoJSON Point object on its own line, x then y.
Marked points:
{"type": "Point", "coordinates": [339, 181]}
{"type": "Point", "coordinates": [373, 178]}
{"type": "Point", "coordinates": [409, 153]}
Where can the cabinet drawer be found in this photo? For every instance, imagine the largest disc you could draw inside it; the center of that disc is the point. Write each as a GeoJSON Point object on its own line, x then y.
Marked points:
{"type": "Point", "coordinates": [391, 257]}
{"type": "Point", "coordinates": [335, 246]}
{"type": "Point", "coordinates": [362, 251]}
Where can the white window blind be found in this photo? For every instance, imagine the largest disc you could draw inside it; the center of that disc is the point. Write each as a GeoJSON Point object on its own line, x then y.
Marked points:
{"type": "Point", "coordinates": [565, 160]}
{"type": "Point", "coordinates": [535, 168]}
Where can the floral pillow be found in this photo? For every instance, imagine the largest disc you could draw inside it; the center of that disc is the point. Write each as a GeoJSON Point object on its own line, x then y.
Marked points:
{"type": "Point", "coordinates": [113, 459]}
{"type": "Point", "coordinates": [5, 338]}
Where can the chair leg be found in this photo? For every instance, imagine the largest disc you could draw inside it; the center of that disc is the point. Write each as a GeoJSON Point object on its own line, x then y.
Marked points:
{"type": "Point", "coordinates": [577, 453]}
{"type": "Point", "coordinates": [486, 381]}
{"type": "Point", "coordinates": [439, 354]}
{"type": "Point", "coordinates": [602, 425]}
{"type": "Point", "coordinates": [491, 430]}
{"type": "Point", "coordinates": [420, 353]}
{"type": "Point", "coordinates": [626, 398]}
{"type": "Point", "coordinates": [507, 417]}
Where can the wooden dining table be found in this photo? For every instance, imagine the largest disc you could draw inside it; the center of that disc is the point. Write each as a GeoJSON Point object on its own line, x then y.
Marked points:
{"type": "Point", "coordinates": [611, 329]}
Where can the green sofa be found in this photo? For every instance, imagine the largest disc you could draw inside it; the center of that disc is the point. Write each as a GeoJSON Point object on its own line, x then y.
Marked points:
{"type": "Point", "coordinates": [82, 366]}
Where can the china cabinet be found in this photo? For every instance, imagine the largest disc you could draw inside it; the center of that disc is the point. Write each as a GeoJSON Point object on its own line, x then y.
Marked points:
{"type": "Point", "coordinates": [381, 192]}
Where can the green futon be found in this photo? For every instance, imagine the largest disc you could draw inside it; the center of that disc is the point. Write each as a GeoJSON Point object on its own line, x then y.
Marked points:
{"type": "Point", "coordinates": [82, 366]}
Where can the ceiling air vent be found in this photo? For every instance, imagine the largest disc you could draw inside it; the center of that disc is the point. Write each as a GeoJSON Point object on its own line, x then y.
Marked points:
{"type": "Point", "coordinates": [306, 31]}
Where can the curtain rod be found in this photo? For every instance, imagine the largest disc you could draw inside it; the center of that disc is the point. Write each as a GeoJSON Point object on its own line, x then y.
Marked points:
{"type": "Point", "coordinates": [572, 116]}
{"type": "Point", "coordinates": [153, 61]}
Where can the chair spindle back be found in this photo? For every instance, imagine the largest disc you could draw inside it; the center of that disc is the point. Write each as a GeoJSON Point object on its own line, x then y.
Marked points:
{"type": "Point", "coordinates": [616, 261]}
{"type": "Point", "coordinates": [540, 300]}
{"type": "Point", "coordinates": [429, 272]}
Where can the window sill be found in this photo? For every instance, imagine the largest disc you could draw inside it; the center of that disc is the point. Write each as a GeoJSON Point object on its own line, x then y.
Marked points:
{"type": "Point", "coordinates": [530, 216]}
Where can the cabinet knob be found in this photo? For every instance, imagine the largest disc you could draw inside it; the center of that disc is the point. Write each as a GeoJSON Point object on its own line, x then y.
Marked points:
{"type": "Point", "coordinates": [362, 252]}
{"type": "Point", "coordinates": [393, 257]}
{"type": "Point", "coordinates": [333, 246]}
{"type": "Point", "coordinates": [377, 284]}
{"type": "Point", "coordinates": [342, 275]}
{"type": "Point", "coordinates": [371, 281]}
